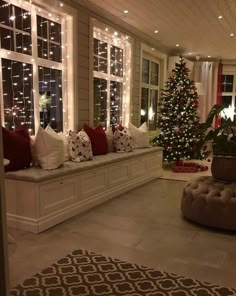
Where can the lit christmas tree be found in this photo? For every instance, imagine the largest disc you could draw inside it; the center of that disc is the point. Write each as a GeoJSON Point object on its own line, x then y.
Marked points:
{"type": "Point", "coordinates": [179, 120]}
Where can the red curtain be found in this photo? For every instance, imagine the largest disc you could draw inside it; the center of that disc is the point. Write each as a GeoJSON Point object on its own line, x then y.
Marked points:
{"type": "Point", "coordinates": [219, 91]}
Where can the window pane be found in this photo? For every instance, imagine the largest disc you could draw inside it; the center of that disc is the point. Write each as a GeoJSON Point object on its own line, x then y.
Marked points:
{"type": "Point", "coordinates": [100, 101]}
{"type": "Point", "coordinates": [49, 39]}
{"type": "Point", "coordinates": [152, 112]}
{"type": "Point", "coordinates": [226, 101]}
{"type": "Point", "coordinates": [50, 98]}
{"type": "Point", "coordinates": [23, 19]}
{"type": "Point", "coordinates": [100, 56]}
{"type": "Point", "coordinates": [116, 61]}
{"type": "Point", "coordinates": [5, 13]}
{"type": "Point", "coordinates": [42, 49]}
{"type": "Point", "coordinates": [54, 52]}
{"type": "Point", "coordinates": [144, 105]}
{"type": "Point", "coordinates": [6, 37]}
{"type": "Point", "coordinates": [23, 43]}
{"type": "Point", "coordinates": [145, 71]}
{"type": "Point", "coordinates": [154, 73]}
{"type": "Point", "coordinates": [42, 25]}
{"type": "Point", "coordinates": [18, 94]}
{"type": "Point", "coordinates": [54, 31]}
{"type": "Point", "coordinates": [227, 83]}
{"type": "Point", "coordinates": [100, 48]}
{"type": "Point", "coordinates": [116, 91]}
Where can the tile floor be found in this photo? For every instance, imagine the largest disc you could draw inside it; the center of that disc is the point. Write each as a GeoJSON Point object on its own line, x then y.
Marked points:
{"type": "Point", "coordinates": [143, 226]}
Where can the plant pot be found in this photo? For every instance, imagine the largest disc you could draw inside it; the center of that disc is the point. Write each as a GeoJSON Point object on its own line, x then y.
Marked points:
{"type": "Point", "coordinates": [223, 168]}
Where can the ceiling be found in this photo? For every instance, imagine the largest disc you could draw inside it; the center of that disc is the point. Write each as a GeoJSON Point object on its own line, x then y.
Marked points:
{"type": "Point", "coordinates": [193, 24]}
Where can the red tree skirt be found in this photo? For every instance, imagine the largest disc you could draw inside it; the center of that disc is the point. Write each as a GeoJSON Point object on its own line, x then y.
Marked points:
{"type": "Point", "coordinates": [188, 167]}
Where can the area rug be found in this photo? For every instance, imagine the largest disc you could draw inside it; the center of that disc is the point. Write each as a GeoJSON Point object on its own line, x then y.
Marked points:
{"type": "Point", "coordinates": [85, 273]}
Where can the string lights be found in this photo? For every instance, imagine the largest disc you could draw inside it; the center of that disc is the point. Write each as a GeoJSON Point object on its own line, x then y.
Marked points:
{"type": "Point", "coordinates": [21, 70]}
{"type": "Point", "coordinates": [112, 53]}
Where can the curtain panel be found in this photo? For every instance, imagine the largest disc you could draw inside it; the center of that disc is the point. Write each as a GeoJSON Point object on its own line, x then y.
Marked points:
{"type": "Point", "coordinates": [207, 74]}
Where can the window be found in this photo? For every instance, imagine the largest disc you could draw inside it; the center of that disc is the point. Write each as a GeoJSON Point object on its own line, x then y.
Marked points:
{"type": "Point", "coordinates": [111, 77]}
{"type": "Point", "coordinates": [150, 91]}
{"type": "Point", "coordinates": [228, 95]}
{"type": "Point", "coordinates": [33, 62]}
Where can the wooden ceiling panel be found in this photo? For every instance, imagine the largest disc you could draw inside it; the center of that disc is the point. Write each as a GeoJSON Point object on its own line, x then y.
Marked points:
{"type": "Point", "coordinates": [193, 24]}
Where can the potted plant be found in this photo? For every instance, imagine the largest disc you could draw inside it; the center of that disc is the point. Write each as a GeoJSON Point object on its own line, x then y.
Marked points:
{"type": "Point", "coordinates": [223, 139]}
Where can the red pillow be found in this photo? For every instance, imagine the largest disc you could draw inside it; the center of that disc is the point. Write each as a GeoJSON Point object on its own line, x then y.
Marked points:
{"type": "Point", "coordinates": [119, 127]}
{"type": "Point", "coordinates": [16, 148]}
{"type": "Point", "coordinates": [98, 139]}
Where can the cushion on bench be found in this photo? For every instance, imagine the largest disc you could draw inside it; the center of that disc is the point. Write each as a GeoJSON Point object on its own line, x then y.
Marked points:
{"type": "Point", "coordinates": [36, 174]}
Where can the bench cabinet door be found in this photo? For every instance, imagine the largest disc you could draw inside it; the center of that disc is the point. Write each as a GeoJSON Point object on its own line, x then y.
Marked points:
{"type": "Point", "coordinates": [57, 195]}
{"type": "Point", "coordinates": [92, 183]}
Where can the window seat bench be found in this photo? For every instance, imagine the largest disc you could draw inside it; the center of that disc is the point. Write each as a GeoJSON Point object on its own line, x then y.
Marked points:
{"type": "Point", "coordinates": [38, 199]}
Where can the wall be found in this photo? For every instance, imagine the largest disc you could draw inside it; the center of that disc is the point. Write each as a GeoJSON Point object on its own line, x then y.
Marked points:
{"type": "Point", "coordinates": [83, 64]}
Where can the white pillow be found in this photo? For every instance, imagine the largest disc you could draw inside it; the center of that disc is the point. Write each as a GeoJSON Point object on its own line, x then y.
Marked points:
{"type": "Point", "coordinates": [49, 149]}
{"type": "Point", "coordinates": [109, 135]}
{"type": "Point", "coordinates": [80, 148]}
{"type": "Point", "coordinates": [122, 140]}
{"type": "Point", "coordinates": [33, 152]}
{"type": "Point", "coordinates": [66, 147]}
{"type": "Point", "coordinates": [139, 135]}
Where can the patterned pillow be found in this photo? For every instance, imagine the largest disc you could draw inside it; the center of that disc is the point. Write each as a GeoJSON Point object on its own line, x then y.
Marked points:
{"type": "Point", "coordinates": [122, 140]}
{"type": "Point", "coordinates": [80, 148]}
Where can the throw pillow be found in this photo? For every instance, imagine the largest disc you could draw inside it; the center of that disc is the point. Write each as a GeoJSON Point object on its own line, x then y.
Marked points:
{"type": "Point", "coordinates": [139, 135]}
{"type": "Point", "coordinates": [16, 148]}
{"type": "Point", "coordinates": [122, 140]}
{"type": "Point", "coordinates": [49, 149]}
{"type": "Point", "coordinates": [79, 146]}
{"type": "Point", "coordinates": [66, 148]}
{"type": "Point", "coordinates": [98, 139]}
{"type": "Point", "coordinates": [109, 135]}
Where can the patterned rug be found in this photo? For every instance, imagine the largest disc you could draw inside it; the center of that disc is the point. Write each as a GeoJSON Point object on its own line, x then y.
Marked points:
{"type": "Point", "coordinates": [88, 274]}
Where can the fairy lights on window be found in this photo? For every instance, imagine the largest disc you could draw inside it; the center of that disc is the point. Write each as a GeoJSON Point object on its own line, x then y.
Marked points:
{"type": "Point", "coordinates": [32, 85]}
{"type": "Point", "coordinates": [111, 71]}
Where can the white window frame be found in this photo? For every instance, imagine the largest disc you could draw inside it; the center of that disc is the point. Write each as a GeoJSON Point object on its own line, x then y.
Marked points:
{"type": "Point", "coordinates": [66, 21]}
{"type": "Point", "coordinates": [106, 34]}
{"type": "Point", "coordinates": [230, 112]}
{"type": "Point", "coordinates": [150, 86]}
{"type": "Point", "coordinates": [156, 56]}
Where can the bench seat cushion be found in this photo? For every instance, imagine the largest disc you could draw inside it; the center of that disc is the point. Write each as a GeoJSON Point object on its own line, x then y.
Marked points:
{"type": "Point", "coordinates": [36, 174]}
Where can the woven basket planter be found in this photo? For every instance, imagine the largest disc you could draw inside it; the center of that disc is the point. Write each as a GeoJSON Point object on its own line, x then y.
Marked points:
{"type": "Point", "coordinates": [224, 168]}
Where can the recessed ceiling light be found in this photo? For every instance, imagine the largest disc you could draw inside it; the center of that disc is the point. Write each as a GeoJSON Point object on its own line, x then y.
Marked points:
{"type": "Point", "coordinates": [208, 56]}
{"type": "Point", "coordinates": [231, 34]}
{"type": "Point", "coordinates": [106, 29]}
{"type": "Point", "coordinates": [115, 33]}
{"type": "Point", "coordinates": [177, 45]}
{"type": "Point", "coordinates": [156, 31]}
{"type": "Point", "coordinates": [126, 11]}
{"type": "Point", "coordinates": [189, 53]}
{"type": "Point", "coordinates": [153, 48]}
{"type": "Point", "coordinates": [220, 16]}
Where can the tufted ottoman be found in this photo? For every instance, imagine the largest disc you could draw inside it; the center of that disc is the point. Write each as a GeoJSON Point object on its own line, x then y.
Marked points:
{"type": "Point", "coordinates": [210, 202]}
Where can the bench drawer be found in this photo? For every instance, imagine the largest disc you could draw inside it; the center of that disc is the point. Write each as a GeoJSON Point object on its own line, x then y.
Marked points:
{"type": "Point", "coordinates": [57, 195]}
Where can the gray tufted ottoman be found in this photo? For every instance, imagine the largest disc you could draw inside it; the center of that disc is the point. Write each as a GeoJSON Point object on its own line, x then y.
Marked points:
{"type": "Point", "coordinates": [210, 202]}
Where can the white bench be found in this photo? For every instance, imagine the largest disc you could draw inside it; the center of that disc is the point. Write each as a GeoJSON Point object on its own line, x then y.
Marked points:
{"type": "Point", "coordinates": [38, 199]}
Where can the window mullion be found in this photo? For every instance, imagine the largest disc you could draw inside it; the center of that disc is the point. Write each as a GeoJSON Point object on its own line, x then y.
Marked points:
{"type": "Point", "coordinates": [35, 68]}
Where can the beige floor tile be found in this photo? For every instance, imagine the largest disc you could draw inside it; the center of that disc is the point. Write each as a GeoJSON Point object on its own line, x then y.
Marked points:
{"type": "Point", "coordinates": [143, 226]}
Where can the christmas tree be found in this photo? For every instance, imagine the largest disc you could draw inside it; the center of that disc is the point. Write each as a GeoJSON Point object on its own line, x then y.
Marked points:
{"type": "Point", "coordinates": [179, 120]}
